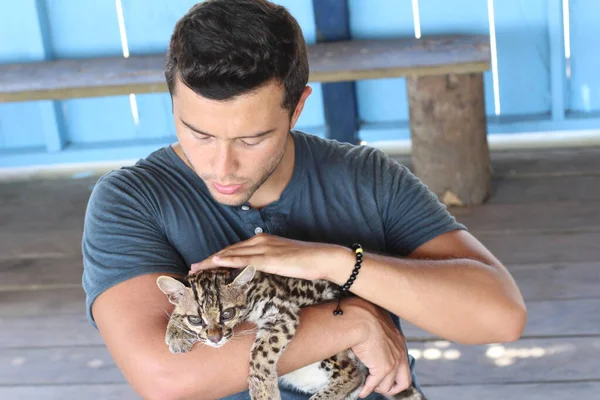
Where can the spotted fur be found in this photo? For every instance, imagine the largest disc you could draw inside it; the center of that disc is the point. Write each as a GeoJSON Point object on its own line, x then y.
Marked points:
{"type": "Point", "coordinates": [209, 304]}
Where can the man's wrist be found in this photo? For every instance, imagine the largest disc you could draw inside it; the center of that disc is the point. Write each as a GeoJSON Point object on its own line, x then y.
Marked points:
{"type": "Point", "coordinates": [340, 265]}
{"type": "Point", "coordinates": [363, 314]}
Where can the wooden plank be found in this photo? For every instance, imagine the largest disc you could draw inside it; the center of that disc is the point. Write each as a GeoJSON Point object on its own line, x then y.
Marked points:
{"type": "Point", "coordinates": [530, 218]}
{"type": "Point", "coordinates": [105, 391]}
{"type": "Point", "coordinates": [533, 391]}
{"type": "Point", "coordinates": [48, 331]}
{"type": "Point", "coordinates": [49, 203]}
{"type": "Point", "coordinates": [512, 248]}
{"type": "Point", "coordinates": [29, 273]}
{"type": "Point", "coordinates": [528, 360]}
{"type": "Point", "coordinates": [51, 243]}
{"type": "Point", "coordinates": [533, 191]}
{"type": "Point", "coordinates": [527, 163]}
{"type": "Point", "coordinates": [546, 162]}
{"type": "Point", "coordinates": [544, 319]}
{"type": "Point", "coordinates": [58, 365]}
{"type": "Point", "coordinates": [329, 62]}
{"type": "Point", "coordinates": [525, 361]}
{"type": "Point", "coordinates": [541, 248]}
{"type": "Point", "coordinates": [65, 79]}
{"type": "Point", "coordinates": [27, 304]}
{"type": "Point", "coordinates": [388, 58]}
{"type": "Point", "coordinates": [558, 280]}
{"type": "Point", "coordinates": [529, 391]}
{"type": "Point", "coordinates": [543, 281]}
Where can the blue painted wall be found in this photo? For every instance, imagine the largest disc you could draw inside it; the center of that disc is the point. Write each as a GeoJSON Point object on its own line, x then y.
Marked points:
{"type": "Point", "coordinates": [535, 92]}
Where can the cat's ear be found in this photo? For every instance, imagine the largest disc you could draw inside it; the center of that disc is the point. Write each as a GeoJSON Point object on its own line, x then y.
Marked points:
{"type": "Point", "coordinates": [245, 276]}
{"type": "Point", "coordinates": [174, 289]}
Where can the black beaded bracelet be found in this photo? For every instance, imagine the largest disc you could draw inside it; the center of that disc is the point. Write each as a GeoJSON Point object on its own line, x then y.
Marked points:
{"type": "Point", "coordinates": [358, 250]}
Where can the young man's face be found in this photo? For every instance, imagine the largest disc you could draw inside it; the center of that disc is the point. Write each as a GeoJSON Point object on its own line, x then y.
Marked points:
{"type": "Point", "coordinates": [237, 145]}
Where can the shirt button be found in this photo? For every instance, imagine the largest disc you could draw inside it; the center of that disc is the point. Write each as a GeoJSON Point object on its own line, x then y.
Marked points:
{"type": "Point", "coordinates": [258, 230]}
{"type": "Point", "coordinates": [245, 208]}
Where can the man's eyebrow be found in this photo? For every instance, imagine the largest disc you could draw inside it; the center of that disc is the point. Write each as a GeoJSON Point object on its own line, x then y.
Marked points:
{"type": "Point", "coordinates": [256, 135]}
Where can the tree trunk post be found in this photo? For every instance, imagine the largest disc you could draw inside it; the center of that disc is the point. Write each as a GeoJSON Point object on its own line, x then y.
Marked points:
{"type": "Point", "coordinates": [449, 137]}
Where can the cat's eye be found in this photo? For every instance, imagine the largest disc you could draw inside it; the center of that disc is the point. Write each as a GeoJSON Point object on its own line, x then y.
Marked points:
{"type": "Point", "coordinates": [194, 320]}
{"type": "Point", "coordinates": [227, 314]}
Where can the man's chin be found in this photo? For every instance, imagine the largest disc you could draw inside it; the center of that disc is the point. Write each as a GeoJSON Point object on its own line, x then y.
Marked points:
{"type": "Point", "coordinates": [233, 200]}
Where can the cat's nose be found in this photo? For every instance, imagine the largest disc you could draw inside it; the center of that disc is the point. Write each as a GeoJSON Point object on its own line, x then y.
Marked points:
{"type": "Point", "coordinates": [215, 336]}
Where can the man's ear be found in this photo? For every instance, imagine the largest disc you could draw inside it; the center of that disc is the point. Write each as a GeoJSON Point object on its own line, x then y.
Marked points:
{"type": "Point", "coordinates": [300, 106]}
{"type": "Point", "coordinates": [174, 289]}
{"type": "Point", "coordinates": [244, 277]}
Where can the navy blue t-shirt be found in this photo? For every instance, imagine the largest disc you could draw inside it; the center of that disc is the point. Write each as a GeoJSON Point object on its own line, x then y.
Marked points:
{"type": "Point", "coordinates": [158, 216]}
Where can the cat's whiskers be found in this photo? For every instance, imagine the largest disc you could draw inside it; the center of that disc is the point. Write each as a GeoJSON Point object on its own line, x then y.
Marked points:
{"type": "Point", "coordinates": [183, 328]}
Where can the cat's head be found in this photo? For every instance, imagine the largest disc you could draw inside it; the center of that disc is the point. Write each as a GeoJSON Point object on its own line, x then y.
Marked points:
{"type": "Point", "coordinates": [207, 309]}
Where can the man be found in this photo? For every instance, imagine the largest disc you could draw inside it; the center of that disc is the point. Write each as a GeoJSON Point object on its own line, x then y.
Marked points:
{"type": "Point", "coordinates": [243, 184]}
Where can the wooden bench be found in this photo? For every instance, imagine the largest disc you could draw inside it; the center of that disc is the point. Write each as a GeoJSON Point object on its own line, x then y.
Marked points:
{"type": "Point", "coordinates": [444, 87]}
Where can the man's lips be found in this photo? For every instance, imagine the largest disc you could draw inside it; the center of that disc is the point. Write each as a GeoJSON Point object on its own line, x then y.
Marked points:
{"type": "Point", "coordinates": [226, 189]}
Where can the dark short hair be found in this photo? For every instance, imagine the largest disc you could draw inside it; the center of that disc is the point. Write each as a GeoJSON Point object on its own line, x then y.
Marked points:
{"type": "Point", "coordinates": [224, 48]}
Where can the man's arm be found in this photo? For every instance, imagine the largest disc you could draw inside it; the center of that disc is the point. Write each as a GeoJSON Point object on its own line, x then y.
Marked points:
{"type": "Point", "coordinates": [451, 286]}
{"type": "Point", "coordinates": [132, 318]}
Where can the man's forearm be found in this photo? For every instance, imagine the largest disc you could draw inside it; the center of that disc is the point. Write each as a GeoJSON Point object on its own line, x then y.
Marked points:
{"type": "Point", "coordinates": [210, 373]}
{"type": "Point", "coordinates": [462, 300]}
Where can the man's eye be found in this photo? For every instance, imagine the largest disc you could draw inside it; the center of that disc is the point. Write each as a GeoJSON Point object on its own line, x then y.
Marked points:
{"type": "Point", "coordinates": [227, 314]}
{"type": "Point", "coordinates": [251, 142]}
{"type": "Point", "coordinates": [194, 320]}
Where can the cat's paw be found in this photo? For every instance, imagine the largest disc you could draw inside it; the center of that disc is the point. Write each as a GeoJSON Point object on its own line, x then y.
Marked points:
{"type": "Point", "coordinates": [180, 346]}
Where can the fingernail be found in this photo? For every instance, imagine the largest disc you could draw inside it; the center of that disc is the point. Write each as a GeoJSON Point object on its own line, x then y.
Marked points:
{"type": "Point", "coordinates": [216, 258]}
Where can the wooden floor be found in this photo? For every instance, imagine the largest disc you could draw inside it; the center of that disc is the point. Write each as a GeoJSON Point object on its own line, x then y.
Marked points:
{"type": "Point", "coordinates": [543, 222]}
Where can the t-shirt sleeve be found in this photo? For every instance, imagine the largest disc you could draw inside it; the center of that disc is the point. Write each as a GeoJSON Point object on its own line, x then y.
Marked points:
{"type": "Point", "coordinates": [122, 238]}
{"type": "Point", "coordinates": [412, 214]}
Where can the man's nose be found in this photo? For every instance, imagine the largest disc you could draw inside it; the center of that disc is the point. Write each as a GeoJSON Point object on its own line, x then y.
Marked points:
{"type": "Point", "coordinates": [215, 335]}
{"type": "Point", "coordinates": [224, 163]}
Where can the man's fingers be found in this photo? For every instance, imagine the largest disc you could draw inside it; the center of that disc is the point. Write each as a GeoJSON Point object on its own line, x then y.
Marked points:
{"type": "Point", "coordinates": [402, 379]}
{"type": "Point", "coordinates": [370, 384]}
{"type": "Point", "coordinates": [249, 250]}
{"type": "Point", "coordinates": [387, 382]}
{"type": "Point", "coordinates": [239, 261]}
{"type": "Point", "coordinates": [206, 264]}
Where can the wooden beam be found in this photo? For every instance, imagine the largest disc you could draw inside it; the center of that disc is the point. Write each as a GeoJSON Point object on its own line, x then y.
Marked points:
{"type": "Point", "coordinates": [329, 62]}
{"type": "Point", "coordinates": [339, 98]}
{"type": "Point", "coordinates": [448, 129]}
{"type": "Point", "coordinates": [51, 115]}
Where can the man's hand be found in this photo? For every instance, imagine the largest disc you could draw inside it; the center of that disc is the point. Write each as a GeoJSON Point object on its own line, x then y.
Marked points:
{"type": "Point", "coordinates": [277, 255]}
{"type": "Point", "coordinates": [383, 351]}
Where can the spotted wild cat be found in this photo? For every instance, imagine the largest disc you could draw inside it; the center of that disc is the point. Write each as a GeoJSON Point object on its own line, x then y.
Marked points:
{"type": "Point", "coordinates": [213, 302]}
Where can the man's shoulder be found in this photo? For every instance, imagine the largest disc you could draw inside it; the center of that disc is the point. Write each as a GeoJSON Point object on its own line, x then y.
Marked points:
{"type": "Point", "coordinates": [136, 182]}
{"type": "Point", "coordinates": [329, 156]}
{"type": "Point", "coordinates": [335, 153]}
